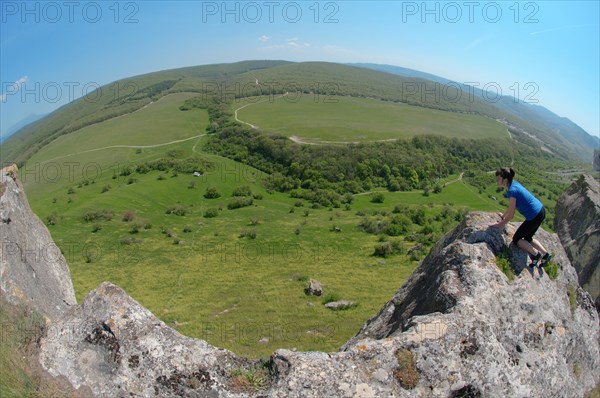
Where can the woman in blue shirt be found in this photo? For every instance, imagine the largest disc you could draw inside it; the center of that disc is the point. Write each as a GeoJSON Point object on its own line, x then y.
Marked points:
{"type": "Point", "coordinates": [533, 211]}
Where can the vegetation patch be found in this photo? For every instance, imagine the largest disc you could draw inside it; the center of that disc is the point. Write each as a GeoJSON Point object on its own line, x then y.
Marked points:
{"type": "Point", "coordinates": [211, 213]}
{"type": "Point", "coordinates": [406, 373]}
{"type": "Point", "coordinates": [388, 249]}
{"type": "Point", "coordinates": [212, 193]}
{"type": "Point", "coordinates": [330, 298]}
{"type": "Point", "coordinates": [572, 293]}
{"type": "Point", "coordinates": [98, 215]}
{"type": "Point", "coordinates": [177, 210]}
{"type": "Point", "coordinates": [239, 202]}
{"type": "Point", "coordinates": [20, 372]}
{"type": "Point", "coordinates": [250, 380]}
{"type": "Point", "coordinates": [503, 262]}
{"type": "Point", "coordinates": [551, 269]}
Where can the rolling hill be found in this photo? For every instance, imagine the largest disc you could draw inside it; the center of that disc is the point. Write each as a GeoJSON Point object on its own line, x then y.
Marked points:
{"type": "Point", "coordinates": [559, 136]}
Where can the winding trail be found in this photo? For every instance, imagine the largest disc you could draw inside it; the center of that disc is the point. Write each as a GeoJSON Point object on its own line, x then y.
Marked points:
{"type": "Point", "coordinates": [129, 146]}
{"type": "Point", "coordinates": [252, 103]}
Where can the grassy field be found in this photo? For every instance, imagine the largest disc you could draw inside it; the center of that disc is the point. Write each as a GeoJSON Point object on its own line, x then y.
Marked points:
{"type": "Point", "coordinates": [102, 148]}
{"type": "Point", "coordinates": [320, 118]}
{"type": "Point", "coordinates": [237, 279]}
{"type": "Point", "coordinates": [200, 276]}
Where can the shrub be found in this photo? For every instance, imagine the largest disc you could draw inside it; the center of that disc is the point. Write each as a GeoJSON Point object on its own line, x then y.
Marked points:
{"type": "Point", "coordinates": [388, 248]}
{"type": "Point", "coordinates": [96, 228]}
{"type": "Point", "coordinates": [372, 226]}
{"type": "Point", "coordinates": [129, 215]}
{"type": "Point", "coordinates": [210, 213]}
{"type": "Point", "coordinates": [192, 184]}
{"type": "Point", "coordinates": [177, 210]}
{"type": "Point", "coordinates": [243, 190]}
{"type": "Point", "coordinates": [106, 188]}
{"type": "Point", "coordinates": [239, 202]}
{"type": "Point", "coordinates": [212, 193]}
{"type": "Point", "coordinates": [377, 197]}
{"type": "Point", "coordinates": [98, 215]}
{"type": "Point", "coordinates": [248, 233]}
{"type": "Point", "coordinates": [187, 229]}
{"type": "Point", "coordinates": [130, 241]}
{"type": "Point", "coordinates": [135, 228]}
{"type": "Point", "coordinates": [52, 219]}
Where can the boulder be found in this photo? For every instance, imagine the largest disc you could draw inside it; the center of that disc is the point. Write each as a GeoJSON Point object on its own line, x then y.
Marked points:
{"type": "Point", "coordinates": [339, 305]}
{"type": "Point", "coordinates": [314, 288]}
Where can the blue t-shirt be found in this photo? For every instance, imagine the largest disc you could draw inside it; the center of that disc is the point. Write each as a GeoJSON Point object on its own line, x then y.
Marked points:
{"type": "Point", "coordinates": [527, 204]}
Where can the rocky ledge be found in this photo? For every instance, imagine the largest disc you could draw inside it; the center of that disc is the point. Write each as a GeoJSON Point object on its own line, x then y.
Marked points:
{"type": "Point", "coordinates": [459, 326]}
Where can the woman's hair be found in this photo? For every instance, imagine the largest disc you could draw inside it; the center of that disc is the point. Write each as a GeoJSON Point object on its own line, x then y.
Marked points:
{"type": "Point", "coordinates": [506, 173]}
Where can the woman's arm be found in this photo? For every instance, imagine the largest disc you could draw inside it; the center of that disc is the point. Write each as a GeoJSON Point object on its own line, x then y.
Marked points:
{"type": "Point", "coordinates": [508, 214]}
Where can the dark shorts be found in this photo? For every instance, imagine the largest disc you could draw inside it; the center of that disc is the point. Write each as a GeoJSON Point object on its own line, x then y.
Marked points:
{"type": "Point", "coordinates": [529, 228]}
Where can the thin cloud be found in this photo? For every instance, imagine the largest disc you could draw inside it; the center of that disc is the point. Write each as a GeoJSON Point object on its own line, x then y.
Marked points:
{"type": "Point", "coordinates": [564, 27]}
{"type": "Point", "coordinates": [477, 42]}
{"type": "Point", "coordinates": [264, 38]}
{"type": "Point", "coordinates": [290, 44]}
{"type": "Point", "coordinates": [13, 88]}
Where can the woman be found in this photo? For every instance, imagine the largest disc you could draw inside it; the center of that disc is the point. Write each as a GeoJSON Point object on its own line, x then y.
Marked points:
{"type": "Point", "coordinates": [533, 211]}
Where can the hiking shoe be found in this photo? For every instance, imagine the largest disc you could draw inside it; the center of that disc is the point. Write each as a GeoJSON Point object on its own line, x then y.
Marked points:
{"type": "Point", "coordinates": [545, 259]}
{"type": "Point", "coordinates": [535, 260]}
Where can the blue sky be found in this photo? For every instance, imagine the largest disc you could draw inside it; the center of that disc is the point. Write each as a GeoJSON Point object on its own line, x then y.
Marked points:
{"type": "Point", "coordinates": [541, 52]}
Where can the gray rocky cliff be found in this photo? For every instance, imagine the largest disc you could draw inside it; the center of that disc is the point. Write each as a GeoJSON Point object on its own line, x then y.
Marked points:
{"type": "Point", "coordinates": [577, 223]}
{"type": "Point", "coordinates": [457, 327]}
{"type": "Point", "coordinates": [33, 271]}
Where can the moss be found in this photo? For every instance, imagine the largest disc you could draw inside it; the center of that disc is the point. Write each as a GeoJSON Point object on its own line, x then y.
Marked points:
{"type": "Point", "coordinates": [406, 373]}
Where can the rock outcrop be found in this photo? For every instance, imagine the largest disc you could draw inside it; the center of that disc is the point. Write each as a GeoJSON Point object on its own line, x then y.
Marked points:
{"type": "Point", "coordinates": [457, 327]}
{"type": "Point", "coordinates": [33, 271]}
{"type": "Point", "coordinates": [118, 348]}
{"type": "Point", "coordinates": [577, 223]}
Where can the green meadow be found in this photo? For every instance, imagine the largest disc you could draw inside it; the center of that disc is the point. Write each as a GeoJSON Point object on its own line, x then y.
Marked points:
{"type": "Point", "coordinates": [235, 279]}
{"type": "Point", "coordinates": [322, 118]}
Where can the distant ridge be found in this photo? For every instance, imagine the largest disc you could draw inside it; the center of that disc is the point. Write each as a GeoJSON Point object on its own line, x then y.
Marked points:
{"type": "Point", "coordinates": [399, 70]}
{"type": "Point", "coordinates": [34, 117]}
{"type": "Point", "coordinates": [534, 114]}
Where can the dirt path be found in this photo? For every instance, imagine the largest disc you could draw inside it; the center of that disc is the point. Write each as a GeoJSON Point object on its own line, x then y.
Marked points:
{"type": "Point", "coordinates": [252, 103]}
{"type": "Point", "coordinates": [128, 146]}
